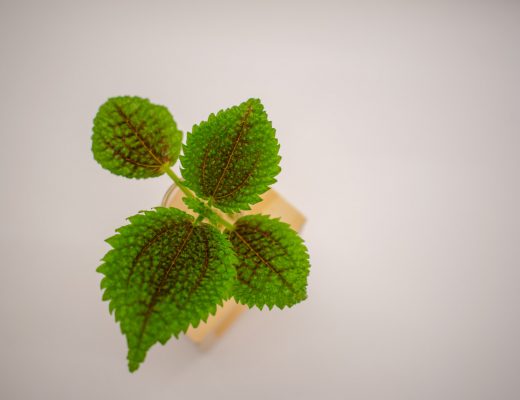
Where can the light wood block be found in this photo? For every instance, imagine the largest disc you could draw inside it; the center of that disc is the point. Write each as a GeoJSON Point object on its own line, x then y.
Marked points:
{"type": "Point", "coordinates": [272, 204]}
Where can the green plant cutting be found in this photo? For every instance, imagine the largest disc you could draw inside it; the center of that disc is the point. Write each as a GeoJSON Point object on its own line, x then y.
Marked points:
{"type": "Point", "coordinates": [167, 269]}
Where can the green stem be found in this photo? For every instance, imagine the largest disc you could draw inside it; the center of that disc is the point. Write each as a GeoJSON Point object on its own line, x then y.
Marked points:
{"type": "Point", "coordinates": [229, 226]}
{"type": "Point", "coordinates": [178, 181]}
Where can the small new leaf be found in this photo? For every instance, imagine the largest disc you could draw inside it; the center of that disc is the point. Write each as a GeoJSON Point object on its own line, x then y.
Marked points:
{"type": "Point", "coordinates": [163, 274]}
{"type": "Point", "coordinates": [200, 208]}
{"type": "Point", "coordinates": [232, 158]}
{"type": "Point", "coordinates": [273, 263]}
{"type": "Point", "coordinates": [135, 138]}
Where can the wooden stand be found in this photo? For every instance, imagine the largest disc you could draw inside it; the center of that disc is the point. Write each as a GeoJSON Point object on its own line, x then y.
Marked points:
{"type": "Point", "coordinates": [272, 204]}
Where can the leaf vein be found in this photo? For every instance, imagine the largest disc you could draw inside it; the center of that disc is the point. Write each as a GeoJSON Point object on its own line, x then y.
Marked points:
{"type": "Point", "coordinates": [130, 160]}
{"type": "Point", "coordinates": [155, 296]}
{"type": "Point", "coordinates": [242, 183]}
{"type": "Point", "coordinates": [266, 263]}
{"type": "Point", "coordinates": [233, 149]}
{"type": "Point", "coordinates": [135, 130]}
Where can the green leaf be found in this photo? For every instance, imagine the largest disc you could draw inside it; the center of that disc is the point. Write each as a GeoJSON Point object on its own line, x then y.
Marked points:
{"type": "Point", "coordinates": [232, 158]}
{"type": "Point", "coordinates": [163, 274]}
{"type": "Point", "coordinates": [200, 208]}
{"type": "Point", "coordinates": [273, 262]}
{"type": "Point", "coordinates": [135, 138]}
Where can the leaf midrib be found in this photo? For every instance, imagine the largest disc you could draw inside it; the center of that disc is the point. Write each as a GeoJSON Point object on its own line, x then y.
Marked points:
{"type": "Point", "coordinates": [235, 144]}
{"type": "Point", "coordinates": [267, 263]}
{"type": "Point", "coordinates": [157, 292]}
{"type": "Point", "coordinates": [136, 132]}
{"type": "Point", "coordinates": [241, 184]}
{"type": "Point", "coordinates": [119, 154]}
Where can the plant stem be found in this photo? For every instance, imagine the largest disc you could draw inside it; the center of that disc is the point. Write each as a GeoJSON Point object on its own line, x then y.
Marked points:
{"type": "Point", "coordinates": [178, 181]}
{"type": "Point", "coordinates": [227, 225]}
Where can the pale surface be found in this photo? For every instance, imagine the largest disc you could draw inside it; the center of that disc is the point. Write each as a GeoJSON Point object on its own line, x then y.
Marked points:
{"type": "Point", "coordinates": [399, 130]}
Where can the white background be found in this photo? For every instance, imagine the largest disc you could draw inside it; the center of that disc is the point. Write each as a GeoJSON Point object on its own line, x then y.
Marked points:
{"type": "Point", "coordinates": [399, 131]}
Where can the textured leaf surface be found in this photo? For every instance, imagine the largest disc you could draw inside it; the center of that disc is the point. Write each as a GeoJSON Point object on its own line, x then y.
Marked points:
{"type": "Point", "coordinates": [135, 138]}
{"type": "Point", "coordinates": [200, 208]}
{"type": "Point", "coordinates": [232, 158]}
{"type": "Point", "coordinates": [163, 274]}
{"type": "Point", "coordinates": [273, 262]}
